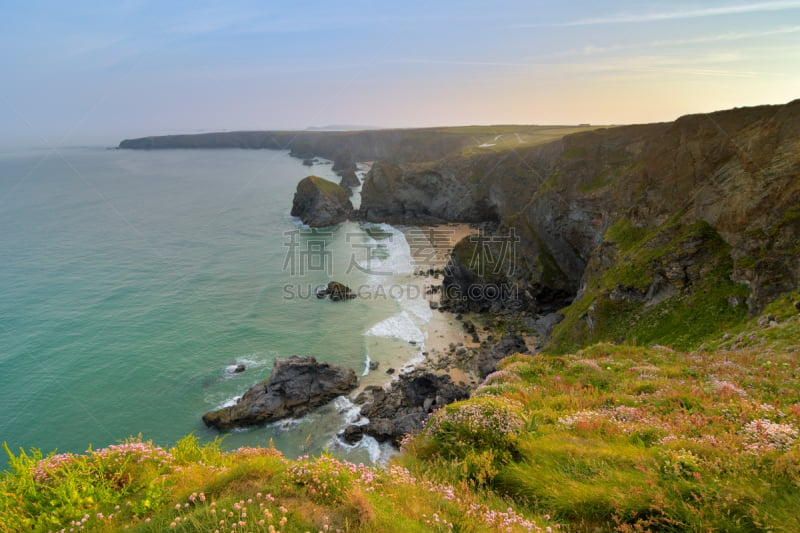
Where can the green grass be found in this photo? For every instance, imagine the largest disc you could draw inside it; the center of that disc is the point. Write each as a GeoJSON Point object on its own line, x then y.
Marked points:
{"type": "Point", "coordinates": [627, 438]}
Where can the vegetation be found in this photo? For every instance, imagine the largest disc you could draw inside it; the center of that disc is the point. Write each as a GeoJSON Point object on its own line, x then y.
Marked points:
{"type": "Point", "coordinates": [627, 438]}
{"type": "Point", "coordinates": [136, 486]}
{"type": "Point", "coordinates": [609, 438]}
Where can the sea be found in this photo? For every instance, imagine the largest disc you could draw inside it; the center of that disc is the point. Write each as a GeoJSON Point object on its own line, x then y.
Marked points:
{"type": "Point", "coordinates": [133, 283]}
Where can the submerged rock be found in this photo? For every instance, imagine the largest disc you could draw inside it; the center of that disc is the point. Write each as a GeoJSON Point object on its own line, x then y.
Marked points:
{"type": "Point", "coordinates": [297, 385]}
{"type": "Point", "coordinates": [319, 202]}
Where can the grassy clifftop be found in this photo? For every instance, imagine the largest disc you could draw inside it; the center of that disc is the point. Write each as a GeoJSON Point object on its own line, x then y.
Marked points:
{"type": "Point", "coordinates": [607, 438]}
{"type": "Point", "coordinates": [415, 144]}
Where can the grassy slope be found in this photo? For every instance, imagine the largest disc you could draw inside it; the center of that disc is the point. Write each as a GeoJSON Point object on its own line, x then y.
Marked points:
{"type": "Point", "coordinates": [628, 438]}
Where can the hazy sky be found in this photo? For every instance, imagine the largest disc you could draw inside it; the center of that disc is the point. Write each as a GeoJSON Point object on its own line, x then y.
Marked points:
{"type": "Point", "coordinates": [79, 72]}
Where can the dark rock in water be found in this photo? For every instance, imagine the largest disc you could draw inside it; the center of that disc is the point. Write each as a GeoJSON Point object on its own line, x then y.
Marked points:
{"type": "Point", "coordinates": [402, 407]}
{"type": "Point", "coordinates": [336, 292]}
{"type": "Point", "coordinates": [488, 359]}
{"type": "Point", "coordinates": [390, 371]}
{"type": "Point", "coordinates": [339, 291]}
{"type": "Point", "coordinates": [373, 365]}
{"type": "Point", "coordinates": [235, 368]}
{"type": "Point", "coordinates": [352, 434]}
{"type": "Point", "coordinates": [308, 162]}
{"type": "Point", "coordinates": [297, 385]}
{"type": "Point", "coordinates": [319, 202]}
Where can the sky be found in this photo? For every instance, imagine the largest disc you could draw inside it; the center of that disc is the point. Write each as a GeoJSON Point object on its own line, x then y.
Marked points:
{"type": "Point", "coordinates": [82, 72]}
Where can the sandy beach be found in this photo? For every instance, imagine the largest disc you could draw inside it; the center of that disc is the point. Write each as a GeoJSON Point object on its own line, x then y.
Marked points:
{"type": "Point", "coordinates": [430, 250]}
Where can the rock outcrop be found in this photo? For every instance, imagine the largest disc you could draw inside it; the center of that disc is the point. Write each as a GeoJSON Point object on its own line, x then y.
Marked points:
{"type": "Point", "coordinates": [319, 202]}
{"type": "Point", "coordinates": [297, 385]}
{"type": "Point", "coordinates": [402, 406]}
{"type": "Point", "coordinates": [487, 359]}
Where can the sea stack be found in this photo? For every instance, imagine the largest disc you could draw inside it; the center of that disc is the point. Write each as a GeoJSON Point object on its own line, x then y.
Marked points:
{"type": "Point", "coordinates": [320, 203]}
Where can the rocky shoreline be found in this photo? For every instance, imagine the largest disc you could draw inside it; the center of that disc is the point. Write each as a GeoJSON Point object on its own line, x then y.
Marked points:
{"type": "Point", "coordinates": [459, 351]}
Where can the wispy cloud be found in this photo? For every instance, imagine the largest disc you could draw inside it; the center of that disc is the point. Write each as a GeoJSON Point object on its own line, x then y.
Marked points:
{"type": "Point", "coordinates": [456, 62]}
{"type": "Point", "coordinates": [705, 39]}
{"type": "Point", "coordinates": [707, 65]}
{"type": "Point", "coordinates": [627, 18]}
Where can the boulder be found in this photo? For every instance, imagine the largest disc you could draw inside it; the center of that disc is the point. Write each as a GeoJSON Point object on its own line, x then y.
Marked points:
{"type": "Point", "coordinates": [352, 434]}
{"type": "Point", "coordinates": [319, 202]}
{"type": "Point", "coordinates": [336, 292]}
{"type": "Point", "coordinates": [297, 385]}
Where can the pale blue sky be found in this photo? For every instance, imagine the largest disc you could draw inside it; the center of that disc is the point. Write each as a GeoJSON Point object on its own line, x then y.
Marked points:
{"type": "Point", "coordinates": [96, 72]}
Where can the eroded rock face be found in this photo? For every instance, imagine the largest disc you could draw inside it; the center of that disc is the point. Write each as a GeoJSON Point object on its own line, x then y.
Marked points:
{"type": "Point", "coordinates": [320, 203]}
{"type": "Point", "coordinates": [297, 385]}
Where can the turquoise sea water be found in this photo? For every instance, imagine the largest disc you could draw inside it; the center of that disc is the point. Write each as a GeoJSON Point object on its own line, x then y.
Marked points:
{"type": "Point", "coordinates": [130, 280]}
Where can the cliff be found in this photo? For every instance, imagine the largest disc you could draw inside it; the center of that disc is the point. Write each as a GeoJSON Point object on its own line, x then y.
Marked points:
{"type": "Point", "coordinates": [624, 218]}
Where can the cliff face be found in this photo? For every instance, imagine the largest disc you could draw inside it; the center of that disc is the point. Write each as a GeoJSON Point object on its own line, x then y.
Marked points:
{"type": "Point", "coordinates": [424, 193]}
{"type": "Point", "coordinates": [735, 173]}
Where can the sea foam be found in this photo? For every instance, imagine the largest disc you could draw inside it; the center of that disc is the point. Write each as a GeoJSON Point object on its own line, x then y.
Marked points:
{"type": "Point", "coordinates": [400, 326]}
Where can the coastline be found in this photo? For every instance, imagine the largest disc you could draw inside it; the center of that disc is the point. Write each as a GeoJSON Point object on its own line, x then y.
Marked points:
{"type": "Point", "coordinates": [444, 330]}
